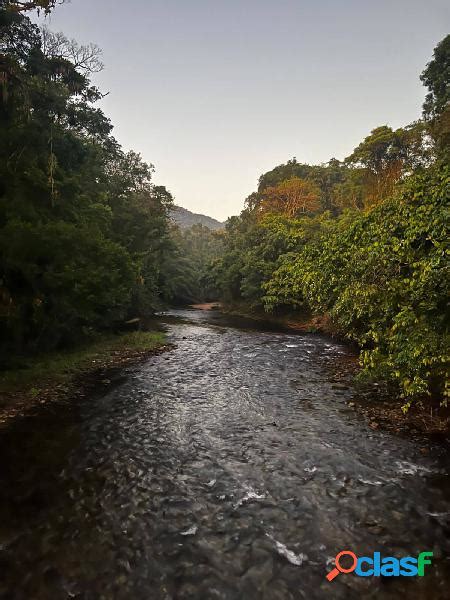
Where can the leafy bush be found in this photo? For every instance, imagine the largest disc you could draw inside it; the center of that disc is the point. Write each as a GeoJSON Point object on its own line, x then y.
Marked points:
{"type": "Point", "coordinates": [382, 276]}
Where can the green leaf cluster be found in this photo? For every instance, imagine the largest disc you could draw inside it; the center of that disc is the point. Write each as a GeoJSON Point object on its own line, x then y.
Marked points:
{"type": "Point", "coordinates": [84, 233]}
{"type": "Point", "coordinates": [383, 278]}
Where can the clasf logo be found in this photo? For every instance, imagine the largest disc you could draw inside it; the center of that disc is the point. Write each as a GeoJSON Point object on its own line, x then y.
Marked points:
{"type": "Point", "coordinates": [388, 566]}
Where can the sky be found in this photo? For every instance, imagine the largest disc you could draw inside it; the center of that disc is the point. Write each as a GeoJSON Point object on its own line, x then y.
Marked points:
{"type": "Point", "coordinates": [214, 93]}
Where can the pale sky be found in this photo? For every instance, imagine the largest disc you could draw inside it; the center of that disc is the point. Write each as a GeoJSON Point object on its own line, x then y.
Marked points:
{"type": "Point", "coordinates": [216, 92]}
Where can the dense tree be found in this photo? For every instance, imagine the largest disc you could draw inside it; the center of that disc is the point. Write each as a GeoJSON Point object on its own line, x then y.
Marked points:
{"type": "Point", "coordinates": [387, 155]}
{"type": "Point", "coordinates": [381, 277]}
{"type": "Point", "coordinates": [252, 248]}
{"type": "Point", "coordinates": [283, 172]}
{"type": "Point", "coordinates": [324, 177]}
{"type": "Point", "coordinates": [436, 78]}
{"type": "Point", "coordinates": [189, 267]}
{"type": "Point", "coordinates": [291, 197]}
{"type": "Point", "coordinates": [371, 252]}
{"type": "Point", "coordinates": [436, 108]}
{"type": "Point", "coordinates": [83, 231]}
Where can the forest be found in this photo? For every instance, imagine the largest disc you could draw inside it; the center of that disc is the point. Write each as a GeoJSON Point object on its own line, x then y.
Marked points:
{"type": "Point", "coordinates": [85, 236]}
{"type": "Point", "coordinates": [192, 409]}
{"type": "Point", "coordinates": [86, 241]}
{"type": "Point", "coordinates": [363, 241]}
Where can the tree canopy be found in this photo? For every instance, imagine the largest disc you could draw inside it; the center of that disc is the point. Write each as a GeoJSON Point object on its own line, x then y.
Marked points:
{"type": "Point", "coordinates": [363, 241]}
{"type": "Point", "coordinates": [84, 233]}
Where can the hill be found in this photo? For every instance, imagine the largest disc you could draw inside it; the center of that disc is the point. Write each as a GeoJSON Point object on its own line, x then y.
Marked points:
{"type": "Point", "coordinates": [185, 218]}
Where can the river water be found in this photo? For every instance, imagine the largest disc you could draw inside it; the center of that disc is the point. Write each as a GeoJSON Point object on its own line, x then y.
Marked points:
{"type": "Point", "coordinates": [228, 468]}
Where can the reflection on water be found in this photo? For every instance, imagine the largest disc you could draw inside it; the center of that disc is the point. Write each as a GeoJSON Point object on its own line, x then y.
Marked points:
{"type": "Point", "coordinates": [228, 468]}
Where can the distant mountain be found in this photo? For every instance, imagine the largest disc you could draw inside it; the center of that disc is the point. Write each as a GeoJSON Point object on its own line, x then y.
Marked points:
{"type": "Point", "coordinates": [185, 218]}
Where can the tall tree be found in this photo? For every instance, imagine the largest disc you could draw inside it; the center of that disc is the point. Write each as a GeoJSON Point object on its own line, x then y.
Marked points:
{"type": "Point", "coordinates": [84, 233]}
{"type": "Point", "coordinates": [291, 198]}
{"type": "Point", "coordinates": [84, 57]}
{"type": "Point", "coordinates": [436, 108]}
{"type": "Point", "coordinates": [436, 77]}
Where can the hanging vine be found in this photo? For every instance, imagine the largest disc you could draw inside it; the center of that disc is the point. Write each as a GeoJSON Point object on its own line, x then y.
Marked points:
{"type": "Point", "coordinates": [52, 164]}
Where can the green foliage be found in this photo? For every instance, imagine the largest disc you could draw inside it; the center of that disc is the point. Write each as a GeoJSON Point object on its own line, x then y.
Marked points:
{"type": "Point", "coordinates": [188, 269]}
{"type": "Point", "coordinates": [326, 177]}
{"type": "Point", "coordinates": [436, 77]}
{"type": "Point", "coordinates": [59, 291]}
{"type": "Point", "coordinates": [252, 251]}
{"type": "Point", "coordinates": [374, 257]}
{"type": "Point", "coordinates": [50, 368]}
{"type": "Point", "coordinates": [436, 108]}
{"type": "Point", "coordinates": [385, 156]}
{"type": "Point", "coordinates": [84, 233]}
{"type": "Point", "coordinates": [382, 276]}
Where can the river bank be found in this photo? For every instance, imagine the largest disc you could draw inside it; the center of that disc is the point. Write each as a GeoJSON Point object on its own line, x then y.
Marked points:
{"type": "Point", "coordinates": [303, 321]}
{"type": "Point", "coordinates": [383, 409]}
{"type": "Point", "coordinates": [75, 372]}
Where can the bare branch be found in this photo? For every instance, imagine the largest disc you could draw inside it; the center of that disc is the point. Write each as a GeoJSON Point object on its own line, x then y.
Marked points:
{"type": "Point", "coordinates": [86, 58]}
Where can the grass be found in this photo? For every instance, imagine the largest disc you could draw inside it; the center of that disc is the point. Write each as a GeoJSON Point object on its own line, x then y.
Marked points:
{"type": "Point", "coordinates": [61, 367]}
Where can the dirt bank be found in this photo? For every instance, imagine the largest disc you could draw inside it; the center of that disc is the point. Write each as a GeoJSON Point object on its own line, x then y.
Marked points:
{"type": "Point", "coordinates": [207, 306]}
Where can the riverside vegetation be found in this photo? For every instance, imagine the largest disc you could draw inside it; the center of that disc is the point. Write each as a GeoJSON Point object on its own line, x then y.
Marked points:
{"type": "Point", "coordinates": [86, 240]}
{"type": "Point", "coordinates": [232, 466]}
{"type": "Point", "coordinates": [363, 241]}
{"type": "Point", "coordinates": [84, 233]}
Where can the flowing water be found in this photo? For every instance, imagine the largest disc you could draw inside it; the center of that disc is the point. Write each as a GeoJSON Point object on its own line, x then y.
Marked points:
{"type": "Point", "coordinates": [228, 468]}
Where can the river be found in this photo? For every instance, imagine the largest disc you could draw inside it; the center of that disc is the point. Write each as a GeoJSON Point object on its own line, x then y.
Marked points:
{"type": "Point", "coordinates": [231, 468]}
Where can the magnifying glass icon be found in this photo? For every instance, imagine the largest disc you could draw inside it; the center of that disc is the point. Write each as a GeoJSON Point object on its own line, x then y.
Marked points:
{"type": "Point", "coordinates": [338, 568]}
